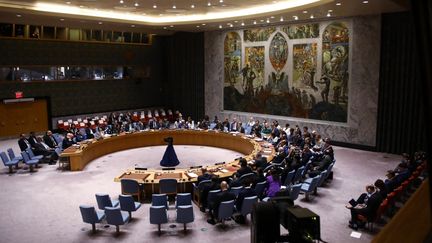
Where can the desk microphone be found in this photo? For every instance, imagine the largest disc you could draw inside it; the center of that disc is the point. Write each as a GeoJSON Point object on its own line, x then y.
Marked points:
{"type": "Point", "coordinates": [168, 168]}
{"type": "Point", "coordinates": [220, 163]}
{"type": "Point", "coordinates": [140, 168]}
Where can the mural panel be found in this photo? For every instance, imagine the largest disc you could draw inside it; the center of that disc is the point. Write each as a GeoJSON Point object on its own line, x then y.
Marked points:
{"type": "Point", "coordinates": [253, 72]}
{"type": "Point", "coordinates": [232, 59]}
{"type": "Point", "coordinates": [278, 51]}
{"type": "Point", "coordinates": [302, 31]}
{"type": "Point", "coordinates": [259, 34]}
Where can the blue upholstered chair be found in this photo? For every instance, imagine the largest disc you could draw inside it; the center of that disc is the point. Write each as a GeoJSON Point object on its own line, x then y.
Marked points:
{"type": "Point", "coordinates": [197, 188]}
{"type": "Point", "coordinates": [158, 215]}
{"type": "Point", "coordinates": [236, 190]}
{"type": "Point", "coordinates": [226, 210]}
{"type": "Point", "coordinates": [91, 216]}
{"type": "Point", "coordinates": [28, 161]}
{"type": "Point", "coordinates": [259, 189]}
{"type": "Point", "coordinates": [247, 204]}
{"type": "Point", "coordinates": [268, 167]}
{"type": "Point", "coordinates": [249, 176]}
{"type": "Point", "coordinates": [32, 155]}
{"type": "Point", "coordinates": [104, 200]}
{"type": "Point", "coordinates": [289, 178]}
{"type": "Point", "coordinates": [183, 199]}
{"type": "Point", "coordinates": [12, 155]}
{"type": "Point", "coordinates": [185, 215]}
{"type": "Point", "coordinates": [7, 162]}
{"type": "Point", "coordinates": [298, 175]}
{"type": "Point", "coordinates": [128, 204]}
{"type": "Point", "coordinates": [295, 191]}
{"type": "Point", "coordinates": [308, 188]}
{"type": "Point", "coordinates": [160, 200]}
{"type": "Point", "coordinates": [168, 186]}
{"type": "Point", "coordinates": [131, 187]}
{"type": "Point", "coordinates": [211, 197]}
{"type": "Point", "coordinates": [116, 217]}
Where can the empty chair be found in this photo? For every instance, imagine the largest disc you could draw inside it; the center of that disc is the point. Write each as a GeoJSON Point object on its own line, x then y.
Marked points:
{"type": "Point", "coordinates": [248, 176]}
{"type": "Point", "coordinates": [116, 217]}
{"type": "Point", "coordinates": [197, 190]}
{"type": "Point", "coordinates": [168, 186]}
{"type": "Point", "coordinates": [131, 187]}
{"type": "Point", "coordinates": [226, 210]}
{"type": "Point", "coordinates": [32, 155]}
{"type": "Point", "coordinates": [247, 204]}
{"type": "Point", "coordinates": [104, 200]}
{"type": "Point", "coordinates": [211, 196]}
{"type": "Point", "coordinates": [160, 200]}
{"type": "Point", "coordinates": [12, 155]}
{"type": "Point", "coordinates": [308, 188]}
{"type": "Point", "coordinates": [185, 215]}
{"type": "Point", "coordinates": [236, 190]}
{"type": "Point", "coordinates": [320, 181]}
{"type": "Point", "coordinates": [259, 189]}
{"type": "Point", "coordinates": [298, 174]}
{"type": "Point", "coordinates": [91, 216]}
{"type": "Point", "coordinates": [289, 178]}
{"type": "Point", "coordinates": [128, 204]}
{"type": "Point", "coordinates": [295, 191]}
{"type": "Point", "coordinates": [183, 199]}
{"type": "Point", "coordinates": [7, 162]}
{"type": "Point", "coordinates": [158, 215]}
{"type": "Point", "coordinates": [28, 161]}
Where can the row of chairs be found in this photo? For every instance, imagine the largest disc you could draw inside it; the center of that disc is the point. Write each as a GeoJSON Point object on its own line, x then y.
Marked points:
{"type": "Point", "coordinates": [27, 156]}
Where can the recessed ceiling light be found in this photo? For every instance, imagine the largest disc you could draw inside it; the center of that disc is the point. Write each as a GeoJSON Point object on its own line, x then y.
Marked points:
{"type": "Point", "coordinates": [19, 15]}
{"type": "Point", "coordinates": [174, 7]}
{"type": "Point", "coordinates": [338, 4]}
{"type": "Point", "coordinates": [209, 4]}
{"type": "Point", "coordinates": [330, 10]}
{"type": "Point", "coordinates": [262, 20]}
{"type": "Point", "coordinates": [281, 19]}
{"type": "Point", "coordinates": [68, 2]}
{"type": "Point", "coordinates": [311, 16]}
{"type": "Point", "coordinates": [272, 17]}
{"type": "Point", "coordinates": [220, 26]}
{"type": "Point", "coordinates": [192, 6]}
{"type": "Point", "coordinates": [223, 5]}
{"type": "Point", "coordinates": [295, 17]}
{"type": "Point", "coordinates": [242, 24]}
{"type": "Point", "coordinates": [172, 26]}
{"type": "Point", "coordinates": [61, 19]}
{"type": "Point", "coordinates": [198, 26]}
{"type": "Point", "coordinates": [81, 6]}
{"type": "Point", "coordinates": [305, 11]}
{"type": "Point", "coordinates": [100, 23]}
{"type": "Point", "coordinates": [231, 25]}
{"type": "Point", "coordinates": [164, 27]}
{"type": "Point", "coordinates": [365, 1]}
{"type": "Point", "coordinates": [133, 26]}
{"type": "Point", "coordinates": [221, 1]}
{"type": "Point", "coordinates": [254, 22]}
{"type": "Point", "coordinates": [121, 1]}
{"type": "Point", "coordinates": [154, 6]}
{"type": "Point", "coordinates": [268, 21]}
{"type": "Point", "coordinates": [203, 24]}
{"type": "Point", "coordinates": [235, 21]}
{"type": "Point", "coordinates": [228, 24]}
{"type": "Point", "coordinates": [328, 14]}
{"type": "Point", "coordinates": [136, 4]}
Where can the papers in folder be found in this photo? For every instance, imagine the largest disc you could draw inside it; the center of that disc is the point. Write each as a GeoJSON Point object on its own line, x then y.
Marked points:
{"type": "Point", "coordinates": [192, 175]}
{"type": "Point", "coordinates": [224, 170]}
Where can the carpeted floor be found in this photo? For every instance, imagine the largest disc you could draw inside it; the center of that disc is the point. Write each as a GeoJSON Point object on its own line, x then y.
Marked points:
{"type": "Point", "coordinates": [43, 206]}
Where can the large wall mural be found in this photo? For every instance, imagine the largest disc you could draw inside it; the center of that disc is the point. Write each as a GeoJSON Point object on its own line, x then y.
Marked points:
{"type": "Point", "coordinates": [308, 87]}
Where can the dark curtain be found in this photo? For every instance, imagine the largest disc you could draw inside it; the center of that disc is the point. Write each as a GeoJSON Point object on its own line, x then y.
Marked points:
{"type": "Point", "coordinates": [401, 111]}
{"type": "Point", "coordinates": [184, 73]}
{"type": "Point", "coordinates": [422, 15]}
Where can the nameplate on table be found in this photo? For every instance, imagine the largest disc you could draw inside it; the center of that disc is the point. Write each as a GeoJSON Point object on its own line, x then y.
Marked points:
{"type": "Point", "coordinates": [168, 176]}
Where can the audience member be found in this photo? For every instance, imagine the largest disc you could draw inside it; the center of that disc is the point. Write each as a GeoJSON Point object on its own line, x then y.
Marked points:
{"type": "Point", "coordinates": [222, 196]}
{"type": "Point", "coordinates": [23, 142]}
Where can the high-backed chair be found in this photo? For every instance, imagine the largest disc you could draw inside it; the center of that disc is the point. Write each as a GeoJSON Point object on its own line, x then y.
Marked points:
{"type": "Point", "coordinates": [7, 162]}
{"type": "Point", "coordinates": [183, 199]}
{"type": "Point", "coordinates": [259, 189]}
{"type": "Point", "coordinates": [12, 155]}
{"type": "Point", "coordinates": [236, 190]}
{"type": "Point", "coordinates": [247, 204]}
{"type": "Point", "coordinates": [128, 204]}
{"type": "Point", "coordinates": [310, 188]}
{"type": "Point", "coordinates": [168, 186]}
{"type": "Point", "coordinates": [104, 200]}
{"type": "Point", "coordinates": [116, 217]}
{"type": "Point", "coordinates": [211, 196]}
{"type": "Point", "coordinates": [289, 178]}
{"type": "Point", "coordinates": [295, 191]}
{"type": "Point", "coordinates": [91, 216]}
{"type": "Point", "coordinates": [226, 210]}
{"type": "Point", "coordinates": [158, 215]}
{"type": "Point", "coordinates": [160, 200]}
{"type": "Point", "coordinates": [28, 161]}
{"type": "Point", "coordinates": [185, 215]}
{"type": "Point", "coordinates": [298, 174]}
{"type": "Point", "coordinates": [197, 188]}
{"type": "Point", "coordinates": [249, 176]}
{"type": "Point", "coordinates": [32, 155]}
{"type": "Point", "coordinates": [131, 187]}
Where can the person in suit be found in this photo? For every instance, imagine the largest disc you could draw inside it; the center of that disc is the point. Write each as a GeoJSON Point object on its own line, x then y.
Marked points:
{"type": "Point", "coordinates": [321, 165]}
{"type": "Point", "coordinates": [23, 142]}
{"type": "Point", "coordinates": [247, 191]}
{"type": "Point", "coordinates": [32, 139]}
{"type": "Point", "coordinates": [41, 148]}
{"type": "Point", "coordinates": [234, 126]}
{"type": "Point", "coordinates": [68, 141]}
{"type": "Point", "coordinates": [204, 175]}
{"type": "Point", "coordinates": [260, 161]}
{"type": "Point", "coordinates": [222, 196]}
{"type": "Point", "coordinates": [244, 168]}
{"type": "Point", "coordinates": [368, 210]}
{"type": "Point", "coordinates": [214, 185]}
{"type": "Point", "coordinates": [50, 140]}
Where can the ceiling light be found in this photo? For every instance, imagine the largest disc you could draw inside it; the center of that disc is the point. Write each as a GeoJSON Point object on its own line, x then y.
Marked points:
{"type": "Point", "coordinates": [209, 4]}
{"type": "Point", "coordinates": [68, 2]}
{"type": "Point", "coordinates": [136, 4]}
{"type": "Point", "coordinates": [19, 15]}
{"type": "Point", "coordinates": [242, 24]}
{"type": "Point", "coordinates": [338, 4]}
{"type": "Point", "coordinates": [235, 21]}
{"type": "Point", "coordinates": [203, 24]}
{"type": "Point", "coordinates": [133, 26]}
{"type": "Point", "coordinates": [192, 6]}
{"type": "Point", "coordinates": [220, 26]}
{"type": "Point", "coordinates": [221, 1]}
{"type": "Point", "coordinates": [100, 23]}
{"type": "Point", "coordinates": [61, 19]}
{"type": "Point", "coordinates": [121, 1]}
{"type": "Point", "coordinates": [172, 26]}
{"type": "Point", "coordinates": [365, 1]}
{"type": "Point", "coordinates": [311, 16]}
{"type": "Point", "coordinates": [231, 25]}
{"type": "Point", "coordinates": [164, 27]}
{"type": "Point", "coordinates": [223, 5]}
{"type": "Point", "coordinates": [295, 17]}
{"type": "Point", "coordinates": [198, 26]}
{"type": "Point", "coordinates": [272, 17]}
{"type": "Point", "coordinates": [174, 7]}
{"type": "Point", "coordinates": [281, 19]}
{"type": "Point", "coordinates": [154, 6]}
{"type": "Point", "coordinates": [228, 24]}
{"type": "Point", "coordinates": [254, 22]}
{"type": "Point", "coordinates": [305, 11]}
{"type": "Point", "coordinates": [81, 6]}
{"type": "Point", "coordinates": [268, 21]}
{"type": "Point", "coordinates": [330, 10]}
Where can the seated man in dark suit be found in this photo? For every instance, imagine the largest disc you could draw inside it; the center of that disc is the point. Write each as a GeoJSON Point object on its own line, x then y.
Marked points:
{"type": "Point", "coordinates": [247, 191]}
{"type": "Point", "coordinates": [260, 161]}
{"type": "Point", "coordinates": [32, 139]}
{"type": "Point", "coordinates": [50, 140]}
{"type": "Point", "coordinates": [205, 191]}
{"type": "Point", "coordinates": [244, 168]}
{"type": "Point", "coordinates": [68, 141]}
{"type": "Point", "coordinates": [204, 175]}
{"type": "Point", "coordinates": [222, 196]}
{"type": "Point", "coordinates": [40, 148]}
{"type": "Point", "coordinates": [23, 143]}
{"type": "Point", "coordinates": [368, 210]}
{"type": "Point", "coordinates": [321, 165]}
